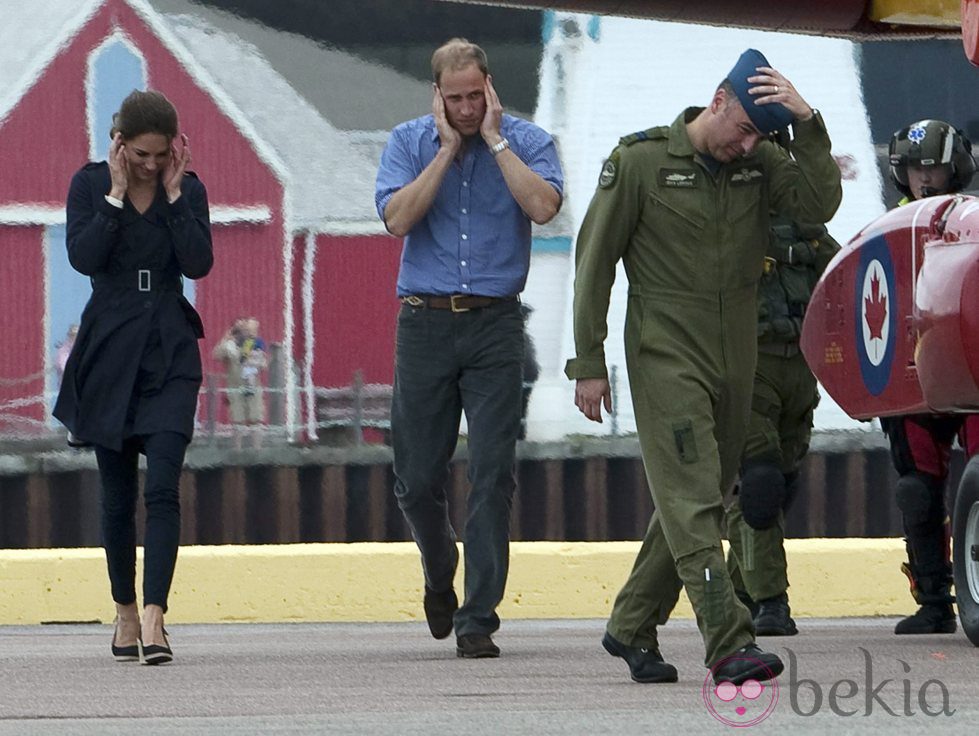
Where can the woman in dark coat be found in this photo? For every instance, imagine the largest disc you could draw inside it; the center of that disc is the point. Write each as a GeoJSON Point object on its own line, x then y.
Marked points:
{"type": "Point", "coordinates": [137, 224]}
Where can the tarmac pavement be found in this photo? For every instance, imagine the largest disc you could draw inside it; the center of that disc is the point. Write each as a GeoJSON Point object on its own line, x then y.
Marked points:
{"type": "Point", "coordinates": [844, 676]}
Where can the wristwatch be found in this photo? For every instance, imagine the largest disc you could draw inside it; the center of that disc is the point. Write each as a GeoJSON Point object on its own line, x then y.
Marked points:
{"type": "Point", "coordinates": [500, 147]}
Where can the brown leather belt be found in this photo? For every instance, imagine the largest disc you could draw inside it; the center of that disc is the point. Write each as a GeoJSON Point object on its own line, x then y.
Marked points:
{"type": "Point", "coordinates": [455, 302]}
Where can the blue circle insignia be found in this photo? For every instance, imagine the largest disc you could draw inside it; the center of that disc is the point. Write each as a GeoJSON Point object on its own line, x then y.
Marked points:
{"type": "Point", "coordinates": [876, 314]}
{"type": "Point", "coordinates": [916, 134]}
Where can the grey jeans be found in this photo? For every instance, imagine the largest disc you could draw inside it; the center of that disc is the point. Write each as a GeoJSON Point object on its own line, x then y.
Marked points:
{"type": "Point", "coordinates": [447, 363]}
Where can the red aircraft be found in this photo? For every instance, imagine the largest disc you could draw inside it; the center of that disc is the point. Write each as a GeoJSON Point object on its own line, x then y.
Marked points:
{"type": "Point", "coordinates": [893, 328]}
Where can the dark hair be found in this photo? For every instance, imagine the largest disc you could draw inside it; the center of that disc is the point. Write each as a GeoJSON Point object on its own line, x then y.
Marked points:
{"type": "Point", "coordinates": [457, 53]}
{"type": "Point", "coordinates": [145, 112]}
{"type": "Point", "coordinates": [730, 93]}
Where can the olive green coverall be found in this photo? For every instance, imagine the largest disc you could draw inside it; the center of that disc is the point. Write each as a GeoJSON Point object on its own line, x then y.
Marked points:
{"type": "Point", "coordinates": [782, 404]}
{"type": "Point", "coordinates": [693, 245]}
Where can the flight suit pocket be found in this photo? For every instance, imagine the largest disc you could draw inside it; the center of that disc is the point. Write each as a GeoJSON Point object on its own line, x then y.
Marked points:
{"type": "Point", "coordinates": [690, 213]}
{"type": "Point", "coordinates": [686, 442]}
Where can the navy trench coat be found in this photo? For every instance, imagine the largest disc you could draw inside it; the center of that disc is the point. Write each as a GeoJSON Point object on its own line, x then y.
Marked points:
{"type": "Point", "coordinates": [135, 367]}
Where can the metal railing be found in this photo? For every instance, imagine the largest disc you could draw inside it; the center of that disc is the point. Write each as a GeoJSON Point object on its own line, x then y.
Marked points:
{"type": "Point", "coordinates": [351, 414]}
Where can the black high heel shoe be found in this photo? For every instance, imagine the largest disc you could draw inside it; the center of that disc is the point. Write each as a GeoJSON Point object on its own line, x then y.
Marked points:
{"type": "Point", "coordinates": [128, 653]}
{"type": "Point", "coordinates": [155, 653]}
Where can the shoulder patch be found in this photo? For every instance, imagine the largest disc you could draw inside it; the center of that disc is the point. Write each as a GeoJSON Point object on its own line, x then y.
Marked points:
{"type": "Point", "coordinates": [610, 170]}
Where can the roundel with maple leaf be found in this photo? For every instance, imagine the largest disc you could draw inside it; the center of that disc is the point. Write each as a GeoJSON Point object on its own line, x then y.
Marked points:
{"type": "Point", "coordinates": [876, 317]}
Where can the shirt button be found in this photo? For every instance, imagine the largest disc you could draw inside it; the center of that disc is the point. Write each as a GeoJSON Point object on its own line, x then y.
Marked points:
{"type": "Point", "coordinates": [465, 183]}
{"type": "Point", "coordinates": [463, 210]}
{"type": "Point", "coordinates": [465, 237]}
{"type": "Point", "coordinates": [462, 263]}
{"type": "Point", "coordinates": [465, 286]}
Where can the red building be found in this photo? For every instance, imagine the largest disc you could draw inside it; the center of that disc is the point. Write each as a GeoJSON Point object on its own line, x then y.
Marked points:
{"type": "Point", "coordinates": [296, 241]}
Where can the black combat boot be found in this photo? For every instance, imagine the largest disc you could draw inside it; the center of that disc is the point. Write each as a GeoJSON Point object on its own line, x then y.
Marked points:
{"type": "Point", "coordinates": [748, 663]}
{"type": "Point", "coordinates": [773, 617]}
{"type": "Point", "coordinates": [935, 615]}
{"type": "Point", "coordinates": [931, 618]}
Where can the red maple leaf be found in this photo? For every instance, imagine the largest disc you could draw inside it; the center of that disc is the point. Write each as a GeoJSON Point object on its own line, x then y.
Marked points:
{"type": "Point", "coordinates": [876, 306]}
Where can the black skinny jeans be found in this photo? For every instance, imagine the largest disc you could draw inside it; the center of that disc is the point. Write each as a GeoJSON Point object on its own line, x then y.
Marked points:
{"type": "Point", "coordinates": [120, 487]}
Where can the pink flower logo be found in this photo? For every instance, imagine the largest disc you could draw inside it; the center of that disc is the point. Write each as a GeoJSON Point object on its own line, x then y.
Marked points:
{"type": "Point", "coordinates": [743, 705]}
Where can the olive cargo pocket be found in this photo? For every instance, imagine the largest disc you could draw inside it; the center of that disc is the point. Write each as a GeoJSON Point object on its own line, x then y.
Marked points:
{"type": "Point", "coordinates": [686, 444]}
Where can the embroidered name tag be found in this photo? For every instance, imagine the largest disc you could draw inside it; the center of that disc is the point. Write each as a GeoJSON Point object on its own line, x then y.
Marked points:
{"type": "Point", "coordinates": [745, 176]}
{"type": "Point", "coordinates": [683, 178]}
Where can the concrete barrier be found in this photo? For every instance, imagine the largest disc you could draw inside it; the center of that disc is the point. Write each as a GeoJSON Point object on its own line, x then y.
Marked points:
{"type": "Point", "coordinates": [373, 582]}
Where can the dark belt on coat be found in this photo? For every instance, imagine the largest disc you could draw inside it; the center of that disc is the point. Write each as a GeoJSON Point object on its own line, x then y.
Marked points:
{"type": "Point", "coordinates": [143, 279]}
{"type": "Point", "coordinates": [455, 302]}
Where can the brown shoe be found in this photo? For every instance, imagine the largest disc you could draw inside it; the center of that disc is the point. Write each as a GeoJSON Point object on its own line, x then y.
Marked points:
{"type": "Point", "coordinates": [476, 646]}
{"type": "Point", "coordinates": [439, 608]}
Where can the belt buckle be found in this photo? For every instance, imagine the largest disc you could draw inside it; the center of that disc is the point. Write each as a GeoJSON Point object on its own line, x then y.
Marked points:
{"type": "Point", "coordinates": [452, 303]}
{"type": "Point", "coordinates": [413, 301]}
{"type": "Point", "coordinates": [143, 283]}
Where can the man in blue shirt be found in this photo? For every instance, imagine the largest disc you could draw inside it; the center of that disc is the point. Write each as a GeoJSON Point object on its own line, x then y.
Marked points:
{"type": "Point", "coordinates": [462, 186]}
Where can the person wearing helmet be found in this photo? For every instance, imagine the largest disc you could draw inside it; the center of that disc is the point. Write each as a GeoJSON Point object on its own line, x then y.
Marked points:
{"type": "Point", "coordinates": [928, 158]}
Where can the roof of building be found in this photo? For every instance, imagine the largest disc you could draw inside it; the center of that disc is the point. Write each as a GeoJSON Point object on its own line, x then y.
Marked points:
{"type": "Point", "coordinates": [31, 35]}
{"type": "Point", "coordinates": [330, 180]}
{"type": "Point", "coordinates": [351, 92]}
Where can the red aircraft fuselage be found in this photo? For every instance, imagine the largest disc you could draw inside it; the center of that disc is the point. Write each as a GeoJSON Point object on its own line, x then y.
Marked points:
{"type": "Point", "coordinates": [893, 325]}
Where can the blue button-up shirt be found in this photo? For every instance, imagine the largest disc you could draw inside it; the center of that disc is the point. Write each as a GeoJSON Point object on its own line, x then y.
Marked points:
{"type": "Point", "coordinates": [474, 239]}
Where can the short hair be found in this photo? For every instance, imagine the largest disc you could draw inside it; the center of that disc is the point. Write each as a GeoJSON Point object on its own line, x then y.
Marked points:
{"type": "Point", "coordinates": [457, 53]}
{"type": "Point", "coordinates": [728, 90]}
{"type": "Point", "coordinates": [145, 112]}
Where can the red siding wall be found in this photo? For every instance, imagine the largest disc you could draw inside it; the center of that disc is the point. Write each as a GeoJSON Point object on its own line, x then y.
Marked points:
{"type": "Point", "coordinates": [22, 293]}
{"type": "Point", "coordinates": [355, 308]}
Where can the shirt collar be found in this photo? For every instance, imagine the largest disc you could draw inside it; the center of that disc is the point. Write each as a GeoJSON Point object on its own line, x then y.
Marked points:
{"type": "Point", "coordinates": [679, 144]}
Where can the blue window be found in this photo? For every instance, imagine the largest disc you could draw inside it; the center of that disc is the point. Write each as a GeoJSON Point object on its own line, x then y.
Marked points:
{"type": "Point", "coordinates": [115, 69]}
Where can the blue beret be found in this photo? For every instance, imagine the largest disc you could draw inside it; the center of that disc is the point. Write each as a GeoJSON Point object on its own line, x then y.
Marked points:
{"type": "Point", "coordinates": [766, 118]}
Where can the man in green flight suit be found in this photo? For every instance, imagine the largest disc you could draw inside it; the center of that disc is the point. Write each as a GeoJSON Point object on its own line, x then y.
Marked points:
{"type": "Point", "coordinates": [780, 426]}
{"type": "Point", "coordinates": [686, 208]}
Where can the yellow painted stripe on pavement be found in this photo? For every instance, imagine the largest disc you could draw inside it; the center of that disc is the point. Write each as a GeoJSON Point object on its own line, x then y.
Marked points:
{"type": "Point", "coordinates": [381, 581]}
